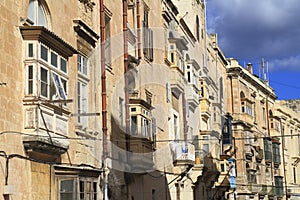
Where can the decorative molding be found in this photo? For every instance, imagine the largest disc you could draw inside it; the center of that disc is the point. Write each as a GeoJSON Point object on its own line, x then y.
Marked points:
{"type": "Point", "coordinates": [89, 4]}
{"type": "Point", "coordinates": [48, 38]}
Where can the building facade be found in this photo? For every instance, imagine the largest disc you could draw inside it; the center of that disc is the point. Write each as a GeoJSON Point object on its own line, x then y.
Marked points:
{"type": "Point", "coordinates": [48, 91]}
{"type": "Point", "coordinates": [133, 99]}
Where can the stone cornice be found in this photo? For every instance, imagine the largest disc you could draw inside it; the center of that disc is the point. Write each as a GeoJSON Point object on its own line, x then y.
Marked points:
{"type": "Point", "coordinates": [240, 72]}
{"type": "Point", "coordinates": [48, 38]}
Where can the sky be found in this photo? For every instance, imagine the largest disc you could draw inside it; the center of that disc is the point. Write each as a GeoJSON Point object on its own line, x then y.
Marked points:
{"type": "Point", "coordinates": [252, 30]}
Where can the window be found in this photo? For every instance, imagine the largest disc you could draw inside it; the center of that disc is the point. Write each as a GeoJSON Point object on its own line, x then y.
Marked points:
{"type": "Point", "coordinates": [145, 127]}
{"type": "Point", "coordinates": [294, 175]}
{"type": "Point", "coordinates": [81, 188]}
{"type": "Point", "coordinates": [82, 102]}
{"type": "Point", "coordinates": [227, 131]}
{"type": "Point", "coordinates": [251, 175]}
{"type": "Point", "coordinates": [190, 75]}
{"type": "Point", "coordinates": [44, 77]}
{"type": "Point", "coordinates": [107, 44]}
{"type": "Point", "coordinates": [271, 119]}
{"type": "Point", "coordinates": [82, 65]}
{"type": "Point", "coordinates": [134, 128]}
{"type": "Point", "coordinates": [268, 149]}
{"type": "Point", "coordinates": [197, 28]}
{"type": "Point", "coordinates": [30, 79]}
{"type": "Point", "coordinates": [66, 190]}
{"type": "Point", "coordinates": [205, 145]}
{"type": "Point", "coordinates": [53, 59]}
{"type": "Point", "coordinates": [276, 153]}
{"type": "Point", "coordinates": [61, 85]}
{"type": "Point", "coordinates": [121, 113]}
{"type": "Point", "coordinates": [36, 13]}
{"type": "Point", "coordinates": [44, 53]}
{"type": "Point", "coordinates": [279, 185]}
{"type": "Point", "coordinates": [63, 65]}
{"type": "Point", "coordinates": [30, 50]}
{"type": "Point", "coordinates": [264, 115]}
{"type": "Point", "coordinates": [176, 131]}
{"type": "Point", "coordinates": [147, 36]}
{"type": "Point", "coordinates": [246, 105]}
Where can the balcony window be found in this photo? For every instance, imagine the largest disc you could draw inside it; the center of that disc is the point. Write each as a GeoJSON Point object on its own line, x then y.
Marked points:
{"type": "Point", "coordinates": [44, 83]}
{"type": "Point", "coordinates": [246, 104]}
{"type": "Point", "coordinates": [140, 122]}
{"type": "Point", "coordinates": [279, 185]}
{"type": "Point", "coordinates": [268, 149]}
{"type": "Point", "coordinates": [227, 130]}
{"type": "Point", "coordinates": [30, 79]}
{"type": "Point", "coordinates": [276, 153]}
{"type": "Point", "coordinates": [45, 77]}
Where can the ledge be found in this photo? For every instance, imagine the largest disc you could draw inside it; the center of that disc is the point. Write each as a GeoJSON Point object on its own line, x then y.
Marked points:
{"type": "Point", "coordinates": [48, 38]}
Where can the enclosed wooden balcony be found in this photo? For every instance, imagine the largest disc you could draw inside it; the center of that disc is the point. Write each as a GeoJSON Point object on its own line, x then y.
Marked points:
{"type": "Point", "coordinates": [183, 153]}
{"type": "Point", "coordinates": [47, 128]}
{"type": "Point", "coordinates": [177, 81]}
{"type": "Point", "coordinates": [205, 107]}
{"type": "Point", "coordinates": [192, 97]}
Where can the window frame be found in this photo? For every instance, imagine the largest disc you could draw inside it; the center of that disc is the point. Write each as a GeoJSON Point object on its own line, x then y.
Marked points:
{"type": "Point", "coordinates": [76, 193]}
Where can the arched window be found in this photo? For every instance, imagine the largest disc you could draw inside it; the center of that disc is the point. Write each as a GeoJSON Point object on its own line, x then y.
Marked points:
{"type": "Point", "coordinates": [36, 13]}
{"type": "Point", "coordinates": [197, 28]}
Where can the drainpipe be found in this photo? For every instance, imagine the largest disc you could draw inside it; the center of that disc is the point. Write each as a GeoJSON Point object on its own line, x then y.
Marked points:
{"type": "Point", "coordinates": [268, 128]}
{"type": "Point", "coordinates": [231, 90]}
{"type": "Point", "coordinates": [127, 116]}
{"type": "Point", "coordinates": [103, 95]}
{"type": "Point", "coordinates": [283, 159]}
{"type": "Point", "coordinates": [267, 112]}
{"type": "Point", "coordinates": [184, 118]}
{"type": "Point", "coordinates": [138, 19]}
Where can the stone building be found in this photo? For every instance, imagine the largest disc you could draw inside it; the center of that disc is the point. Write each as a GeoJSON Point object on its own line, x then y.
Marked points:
{"type": "Point", "coordinates": [286, 122]}
{"type": "Point", "coordinates": [256, 148]}
{"type": "Point", "coordinates": [50, 129]}
{"type": "Point", "coordinates": [132, 99]}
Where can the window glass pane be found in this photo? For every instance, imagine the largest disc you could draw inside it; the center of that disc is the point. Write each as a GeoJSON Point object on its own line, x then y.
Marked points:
{"type": "Point", "coordinates": [41, 20]}
{"type": "Point", "coordinates": [81, 190]}
{"type": "Point", "coordinates": [63, 65]}
{"type": "Point", "coordinates": [31, 10]}
{"type": "Point", "coordinates": [44, 82]}
{"type": "Point", "coordinates": [44, 53]}
{"type": "Point", "coordinates": [95, 190]}
{"type": "Point", "coordinates": [85, 66]}
{"type": "Point", "coordinates": [206, 148]}
{"type": "Point", "coordinates": [30, 50]}
{"type": "Point", "coordinates": [79, 99]}
{"type": "Point", "coordinates": [66, 190]}
{"type": "Point", "coordinates": [53, 59]}
{"type": "Point", "coordinates": [59, 86]}
{"type": "Point", "coordinates": [30, 79]}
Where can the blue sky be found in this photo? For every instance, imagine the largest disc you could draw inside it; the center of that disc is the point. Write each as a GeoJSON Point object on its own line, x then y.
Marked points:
{"type": "Point", "coordinates": [256, 29]}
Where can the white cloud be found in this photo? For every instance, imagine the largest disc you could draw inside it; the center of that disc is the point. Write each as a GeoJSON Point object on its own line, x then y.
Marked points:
{"type": "Point", "coordinates": [286, 64]}
{"type": "Point", "coordinates": [257, 28]}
